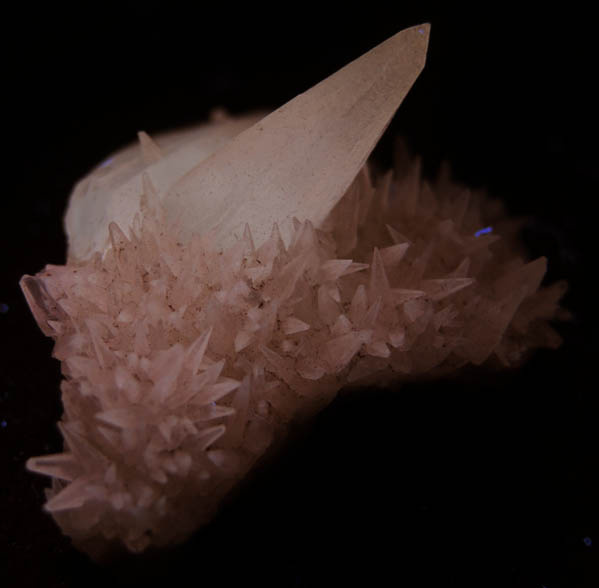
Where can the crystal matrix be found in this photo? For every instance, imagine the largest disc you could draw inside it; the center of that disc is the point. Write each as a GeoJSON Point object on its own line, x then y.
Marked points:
{"type": "Point", "coordinates": [187, 351]}
{"type": "Point", "coordinates": [183, 364]}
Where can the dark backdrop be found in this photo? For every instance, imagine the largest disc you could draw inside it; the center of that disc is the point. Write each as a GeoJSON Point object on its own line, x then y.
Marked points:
{"type": "Point", "coordinates": [484, 481]}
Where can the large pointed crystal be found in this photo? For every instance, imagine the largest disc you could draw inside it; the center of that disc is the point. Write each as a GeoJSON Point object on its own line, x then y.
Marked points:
{"type": "Point", "coordinates": [223, 284]}
{"type": "Point", "coordinates": [296, 162]}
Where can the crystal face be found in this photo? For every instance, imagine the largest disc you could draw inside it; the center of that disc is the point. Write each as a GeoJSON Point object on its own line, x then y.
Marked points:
{"type": "Point", "coordinates": [187, 353]}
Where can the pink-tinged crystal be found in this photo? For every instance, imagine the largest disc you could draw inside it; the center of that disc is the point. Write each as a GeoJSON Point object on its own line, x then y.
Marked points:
{"type": "Point", "coordinates": [178, 410]}
{"type": "Point", "coordinates": [189, 342]}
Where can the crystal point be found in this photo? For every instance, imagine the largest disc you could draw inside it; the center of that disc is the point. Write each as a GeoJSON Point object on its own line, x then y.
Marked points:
{"type": "Point", "coordinates": [150, 152]}
{"type": "Point", "coordinates": [225, 281]}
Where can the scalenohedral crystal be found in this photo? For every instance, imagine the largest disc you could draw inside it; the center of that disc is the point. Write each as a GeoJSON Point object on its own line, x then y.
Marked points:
{"type": "Point", "coordinates": [188, 342]}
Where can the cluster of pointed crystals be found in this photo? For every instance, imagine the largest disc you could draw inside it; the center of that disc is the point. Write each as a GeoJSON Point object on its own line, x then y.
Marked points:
{"type": "Point", "coordinates": [189, 342]}
{"type": "Point", "coordinates": [184, 363]}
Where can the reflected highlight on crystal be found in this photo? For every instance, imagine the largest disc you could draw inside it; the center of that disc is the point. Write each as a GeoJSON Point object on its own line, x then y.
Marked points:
{"type": "Point", "coordinates": [484, 231]}
{"type": "Point", "coordinates": [227, 280]}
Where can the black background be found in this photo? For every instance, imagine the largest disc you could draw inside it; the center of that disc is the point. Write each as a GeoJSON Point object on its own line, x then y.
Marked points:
{"type": "Point", "coordinates": [489, 480]}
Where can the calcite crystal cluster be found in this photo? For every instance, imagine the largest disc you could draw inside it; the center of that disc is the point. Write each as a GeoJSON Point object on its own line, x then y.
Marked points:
{"type": "Point", "coordinates": [186, 354]}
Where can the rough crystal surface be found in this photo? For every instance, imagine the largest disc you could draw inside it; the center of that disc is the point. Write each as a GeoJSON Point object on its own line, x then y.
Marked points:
{"type": "Point", "coordinates": [183, 364]}
{"type": "Point", "coordinates": [189, 341]}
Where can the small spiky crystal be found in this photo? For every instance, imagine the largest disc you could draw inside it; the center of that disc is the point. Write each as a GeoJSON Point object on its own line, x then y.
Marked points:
{"type": "Point", "coordinates": [186, 356]}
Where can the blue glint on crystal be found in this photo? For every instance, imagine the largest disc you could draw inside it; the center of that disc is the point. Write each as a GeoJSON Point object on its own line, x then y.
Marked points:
{"type": "Point", "coordinates": [3, 308]}
{"type": "Point", "coordinates": [3, 424]}
{"type": "Point", "coordinates": [587, 541]}
{"type": "Point", "coordinates": [107, 162]}
{"type": "Point", "coordinates": [483, 231]}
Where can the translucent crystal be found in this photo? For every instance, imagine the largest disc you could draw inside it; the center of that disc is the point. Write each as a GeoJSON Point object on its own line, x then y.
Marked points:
{"type": "Point", "coordinates": [220, 285]}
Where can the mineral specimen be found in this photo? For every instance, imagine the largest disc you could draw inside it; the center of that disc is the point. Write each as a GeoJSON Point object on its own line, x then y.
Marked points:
{"type": "Point", "coordinates": [221, 285]}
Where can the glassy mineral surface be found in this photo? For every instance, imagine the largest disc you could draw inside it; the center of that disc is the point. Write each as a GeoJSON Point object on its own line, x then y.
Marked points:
{"type": "Point", "coordinates": [228, 280]}
{"type": "Point", "coordinates": [183, 364]}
